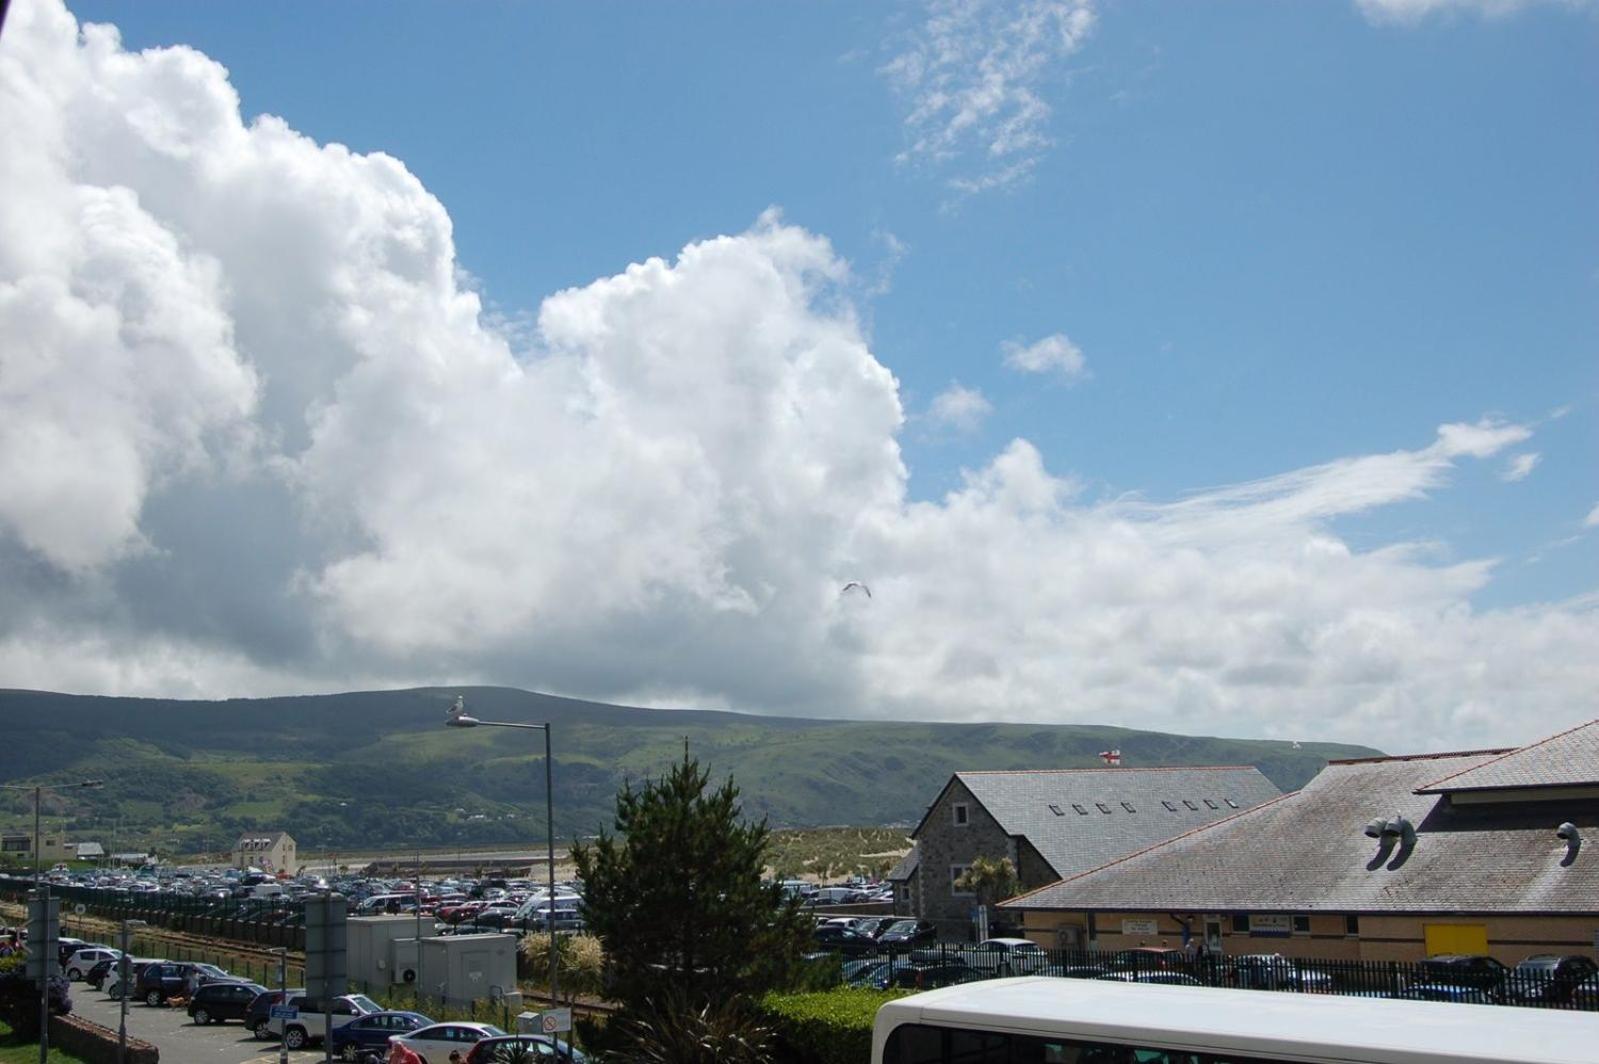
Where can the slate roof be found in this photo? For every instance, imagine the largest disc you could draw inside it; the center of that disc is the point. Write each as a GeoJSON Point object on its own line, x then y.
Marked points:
{"type": "Point", "coordinates": [907, 866]}
{"type": "Point", "coordinates": [1082, 817]}
{"type": "Point", "coordinates": [1307, 852]}
{"type": "Point", "coordinates": [1565, 760]}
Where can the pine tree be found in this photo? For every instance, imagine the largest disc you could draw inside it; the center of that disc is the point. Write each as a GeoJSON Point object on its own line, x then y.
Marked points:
{"type": "Point", "coordinates": [677, 899]}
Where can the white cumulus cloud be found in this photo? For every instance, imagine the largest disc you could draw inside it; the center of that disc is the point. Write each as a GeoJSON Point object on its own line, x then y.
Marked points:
{"type": "Point", "coordinates": [974, 77]}
{"type": "Point", "coordinates": [1592, 520]}
{"type": "Point", "coordinates": [257, 437]}
{"type": "Point", "coordinates": [1054, 354]}
{"type": "Point", "coordinates": [960, 408]}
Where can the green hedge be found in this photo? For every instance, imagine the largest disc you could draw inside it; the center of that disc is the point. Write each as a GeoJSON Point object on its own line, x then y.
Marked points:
{"type": "Point", "coordinates": [830, 1027]}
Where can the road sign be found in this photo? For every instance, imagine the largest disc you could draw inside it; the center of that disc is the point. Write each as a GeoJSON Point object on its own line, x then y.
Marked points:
{"type": "Point", "coordinates": [285, 1012]}
{"type": "Point", "coordinates": [80, 908]}
{"type": "Point", "coordinates": [554, 1021]}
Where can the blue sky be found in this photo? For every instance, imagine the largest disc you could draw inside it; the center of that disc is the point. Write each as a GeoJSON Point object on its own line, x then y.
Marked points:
{"type": "Point", "coordinates": [1231, 340]}
{"type": "Point", "coordinates": [1280, 233]}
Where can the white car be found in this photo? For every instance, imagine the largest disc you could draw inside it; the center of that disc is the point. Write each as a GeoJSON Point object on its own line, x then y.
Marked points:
{"type": "Point", "coordinates": [1007, 956]}
{"type": "Point", "coordinates": [79, 963]}
{"type": "Point", "coordinates": [311, 1021]}
{"type": "Point", "coordinates": [435, 1044]}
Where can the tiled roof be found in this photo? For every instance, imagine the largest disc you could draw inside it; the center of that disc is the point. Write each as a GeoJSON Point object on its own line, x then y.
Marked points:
{"type": "Point", "coordinates": [1080, 818]}
{"type": "Point", "coordinates": [907, 866]}
{"type": "Point", "coordinates": [1568, 759]}
{"type": "Point", "coordinates": [1307, 852]}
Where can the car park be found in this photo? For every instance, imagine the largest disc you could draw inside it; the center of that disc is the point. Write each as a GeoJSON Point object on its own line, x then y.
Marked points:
{"type": "Point", "coordinates": [435, 1044]}
{"type": "Point", "coordinates": [1465, 969]}
{"type": "Point", "coordinates": [909, 933]}
{"type": "Point", "coordinates": [931, 976]}
{"type": "Point", "coordinates": [835, 939]}
{"type": "Point", "coordinates": [371, 1034]}
{"type": "Point", "coordinates": [1007, 956]}
{"type": "Point", "coordinates": [221, 1001]}
{"type": "Point", "coordinates": [135, 968]}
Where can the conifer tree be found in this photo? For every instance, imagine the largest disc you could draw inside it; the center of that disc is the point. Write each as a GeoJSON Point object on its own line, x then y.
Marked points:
{"type": "Point", "coordinates": [676, 895]}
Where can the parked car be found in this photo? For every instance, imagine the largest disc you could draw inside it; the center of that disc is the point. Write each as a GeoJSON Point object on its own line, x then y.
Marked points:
{"type": "Point", "coordinates": [371, 1034]}
{"type": "Point", "coordinates": [217, 1002]}
{"type": "Point", "coordinates": [1473, 970]}
{"type": "Point", "coordinates": [435, 1044]}
{"type": "Point", "coordinates": [1159, 977]}
{"type": "Point", "coordinates": [97, 975]}
{"type": "Point", "coordinates": [136, 967]}
{"type": "Point", "coordinates": [932, 976]}
{"type": "Point", "coordinates": [66, 947]}
{"type": "Point", "coordinates": [159, 982]}
{"type": "Point", "coordinates": [836, 939]}
{"type": "Point", "coordinates": [1007, 956]}
{"type": "Point", "coordinates": [516, 1047]}
{"type": "Point", "coordinates": [1073, 971]}
{"type": "Point", "coordinates": [909, 933]}
{"type": "Point", "coordinates": [259, 1017]}
{"type": "Point", "coordinates": [1549, 978]}
{"type": "Point", "coordinates": [312, 1018]}
{"type": "Point", "coordinates": [1448, 992]}
{"type": "Point", "coordinates": [1150, 958]}
{"type": "Point", "coordinates": [78, 963]}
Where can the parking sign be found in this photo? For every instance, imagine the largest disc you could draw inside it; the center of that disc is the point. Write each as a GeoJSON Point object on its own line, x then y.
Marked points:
{"type": "Point", "coordinates": [555, 1021]}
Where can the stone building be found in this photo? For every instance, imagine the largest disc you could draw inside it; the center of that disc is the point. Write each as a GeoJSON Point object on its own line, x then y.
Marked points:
{"type": "Point", "coordinates": [1054, 823]}
{"type": "Point", "coordinates": [1393, 858]}
{"type": "Point", "coordinates": [270, 851]}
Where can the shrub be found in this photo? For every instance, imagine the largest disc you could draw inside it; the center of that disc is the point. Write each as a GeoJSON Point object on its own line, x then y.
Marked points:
{"type": "Point", "coordinates": [582, 961]}
{"type": "Point", "coordinates": [680, 1030]}
{"type": "Point", "coordinates": [833, 1027]}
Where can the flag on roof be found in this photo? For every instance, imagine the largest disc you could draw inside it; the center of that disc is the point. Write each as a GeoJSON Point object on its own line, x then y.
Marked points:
{"type": "Point", "coordinates": [1111, 757]}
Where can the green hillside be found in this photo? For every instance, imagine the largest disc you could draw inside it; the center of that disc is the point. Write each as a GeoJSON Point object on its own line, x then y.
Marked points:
{"type": "Point", "coordinates": [375, 769]}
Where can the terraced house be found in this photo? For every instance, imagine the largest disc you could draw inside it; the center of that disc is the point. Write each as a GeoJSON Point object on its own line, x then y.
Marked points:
{"type": "Point", "coordinates": [1386, 858]}
{"type": "Point", "coordinates": [1054, 823]}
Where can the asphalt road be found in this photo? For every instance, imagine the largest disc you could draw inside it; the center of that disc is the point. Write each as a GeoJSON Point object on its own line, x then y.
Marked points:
{"type": "Point", "coordinates": [180, 1040]}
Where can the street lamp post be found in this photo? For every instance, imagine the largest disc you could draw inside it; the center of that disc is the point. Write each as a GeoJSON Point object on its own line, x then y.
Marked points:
{"type": "Point", "coordinates": [42, 890]}
{"type": "Point", "coordinates": [122, 1002]}
{"type": "Point", "coordinates": [458, 719]}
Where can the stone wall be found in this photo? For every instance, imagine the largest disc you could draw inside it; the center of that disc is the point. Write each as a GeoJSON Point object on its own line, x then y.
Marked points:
{"type": "Point", "coordinates": [95, 1044]}
{"type": "Point", "coordinates": [944, 845]}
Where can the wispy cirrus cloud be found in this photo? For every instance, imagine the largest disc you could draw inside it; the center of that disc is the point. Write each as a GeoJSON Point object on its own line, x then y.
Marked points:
{"type": "Point", "coordinates": [973, 79]}
{"type": "Point", "coordinates": [1410, 12]}
{"type": "Point", "coordinates": [1520, 466]}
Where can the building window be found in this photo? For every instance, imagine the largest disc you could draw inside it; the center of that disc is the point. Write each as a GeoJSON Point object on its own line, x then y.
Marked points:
{"type": "Point", "coordinates": [1129, 807]}
{"type": "Point", "coordinates": [1103, 808]}
{"type": "Point", "coordinates": [1301, 925]}
{"type": "Point", "coordinates": [1080, 810]}
{"type": "Point", "coordinates": [1230, 803]}
{"type": "Point", "coordinates": [1240, 923]}
{"type": "Point", "coordinates": [1352, 925]}
{"type": "Point", "coordinates": [1190, 805]}
{"type": "Point", "coordinates": [961, 817]}
{"type": "Point", "coordinates": [1170, 806]}
{"type": "Point", "coordinates": [1211, 805]}
{"type": "Point", "coordinates": [955, 872]}
{"type": "Point", "coordinates": [1057, 810]}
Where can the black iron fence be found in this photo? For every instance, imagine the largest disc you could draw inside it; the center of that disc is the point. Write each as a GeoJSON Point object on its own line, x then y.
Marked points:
{"type": "Point", "coordinates": [270, 922]}
{"type": "Point", "coordinates": [1570, 983]}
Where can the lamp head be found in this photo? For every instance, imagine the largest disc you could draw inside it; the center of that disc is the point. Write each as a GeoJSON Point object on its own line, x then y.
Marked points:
{"type": "Point", "coordinates": [462, 721]}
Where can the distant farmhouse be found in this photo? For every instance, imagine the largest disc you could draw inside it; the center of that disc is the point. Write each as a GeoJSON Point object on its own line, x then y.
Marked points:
{"type": "Point", "coordinates": [1056, 823]}
{"type": "Point", "coordinates": [270, 851]}
{"type": "Point", "coordinates": [1388, 858]}
{"type": "Point", "coordinates": [53, 847]}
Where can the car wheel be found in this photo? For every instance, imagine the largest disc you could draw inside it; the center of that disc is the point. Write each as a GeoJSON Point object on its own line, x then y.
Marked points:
{"type": "Point", "coordinates": [348, 1052]}
{"type": "Point", "coordinates": [153, 998]}
{"type": "Point", "coordinates": [74, 974]}
{"type": "Point", "coordinates": [263, 1029]}
{"type": "Point", "coordinates": [201, 1017]}
{"type": "Point", "coordinates": [294, 1038]}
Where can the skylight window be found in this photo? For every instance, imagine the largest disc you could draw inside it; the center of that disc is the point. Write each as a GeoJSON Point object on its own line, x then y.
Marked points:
{"type": "Point", "coordinates": [1057, 810]}
{"type": "Point", "coordinates": [1103, 808]}
{"type": "Point", "coordinates": [1190, 805]}
{"type": "Point", "coordinates": [1210, 804]}
{"type": "Point", "coordinates": [1170, 806]}
{"type": "Point", "coordinates": [1129, 807]}
{"type": "Point", "coordinates": [1080, 810]}
{"type": "Point", "coordinates": [1230, 803]}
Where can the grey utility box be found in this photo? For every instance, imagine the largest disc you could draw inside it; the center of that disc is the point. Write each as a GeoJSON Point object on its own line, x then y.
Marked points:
{"type": "Point", "coordinates": [382, 951]}
{"type": "Point", "coordinates": [466, 968]}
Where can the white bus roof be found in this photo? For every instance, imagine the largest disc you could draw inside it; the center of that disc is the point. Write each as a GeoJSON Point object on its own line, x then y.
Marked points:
{"type": "Point", "coordinates": [1263, 1023]}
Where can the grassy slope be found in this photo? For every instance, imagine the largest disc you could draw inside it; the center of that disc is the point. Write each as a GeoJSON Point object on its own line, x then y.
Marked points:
{"type": "Point", "coordinates": [200, 771]}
